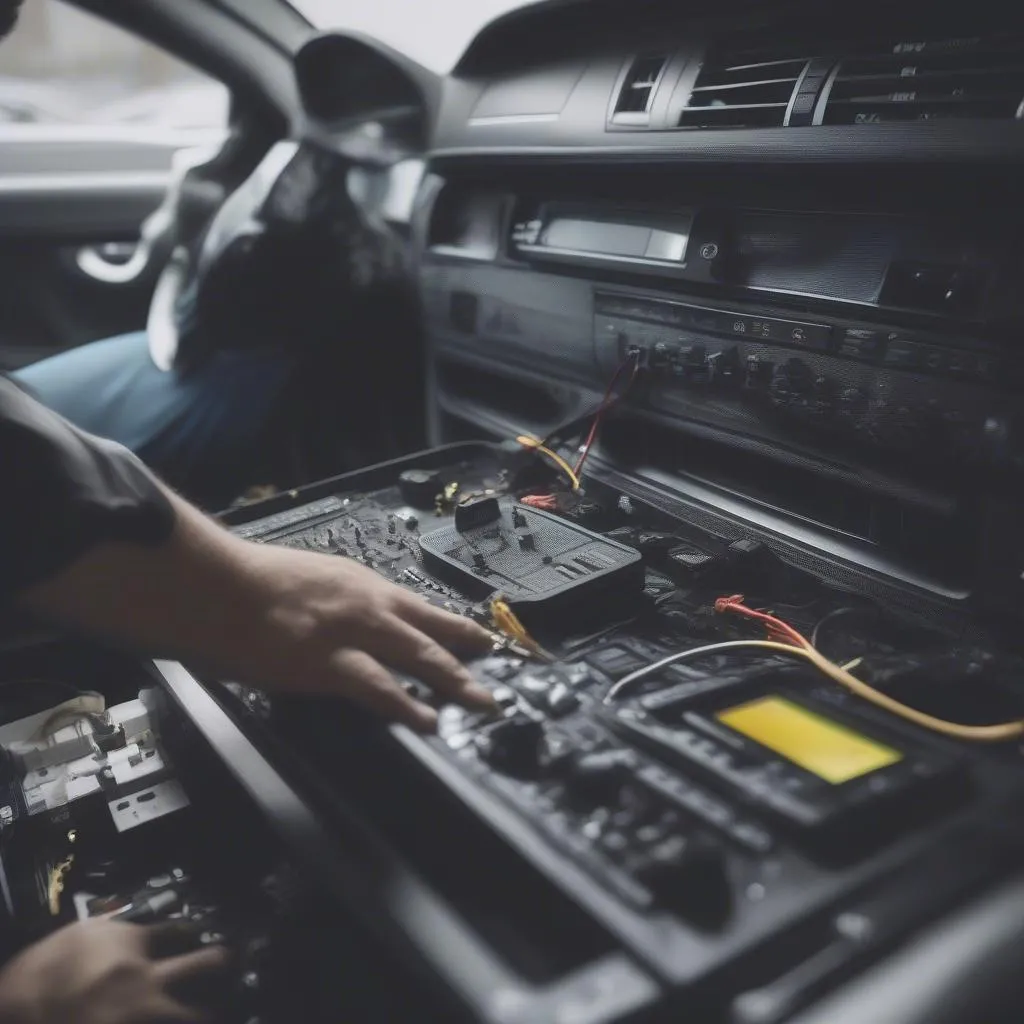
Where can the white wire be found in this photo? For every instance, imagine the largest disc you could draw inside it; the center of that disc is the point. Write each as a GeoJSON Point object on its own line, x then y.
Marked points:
{"type": "Point", "coordinates": [695, 652]}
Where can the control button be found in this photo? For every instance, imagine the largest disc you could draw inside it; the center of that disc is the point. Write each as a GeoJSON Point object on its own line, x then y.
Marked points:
{"type": "Point", "coordinates": [614, 842]}
{"type": "Point", "coordinates": [770, 329]}
{"type": "Point", "coordinates": [561, 701]}
{"type": "Point", "coordinates": [753, 837]}
{"type": "Point", "coordinates": [513, 746]}
{"type": "Point", "coordinates": [850, 410]}
{"type": "Point", "coordinates": [534, 688]}
{"type": "Point", "coordinates": [862, 343]}
{"type": "Point", "coordinates": [693, 364]}
{"type": "Point", "coordinates": [791, 386]}
{"type": "Point", "coordinates": [502, 668]}
{"type": "Point", "coordinates": [823, 398]}
{"type": "Point", "coordinates": [757, 372]}
{"type": "Point", "coordinates": [689, 876]}
{"type": "Point", "coordinates": [809, 335]}
{"type": "Point", "coordinates": [505, 697]}
{"type": "Point", "coordinates": [724, 367]}
{"type": "Point", "coordinates": [707, 808]}
{"type": "Point", "coordinates": [801, 812]}
{"type": "Point", "coordinates": [661, 355]}
{"type": "Point", "coordinates": [596, 779]}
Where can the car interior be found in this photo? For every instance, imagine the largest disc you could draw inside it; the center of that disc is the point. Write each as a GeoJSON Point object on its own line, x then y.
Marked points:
{"type": "Point", "coordinates": [678, 343]}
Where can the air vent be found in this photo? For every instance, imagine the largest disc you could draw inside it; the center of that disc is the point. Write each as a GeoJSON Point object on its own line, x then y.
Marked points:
{"type": "Point", "coordinates": [743, 89]}
{"type": "Point", "coordinates": [930, 81]}
{"type": "Point", "coordinates": [637, 93]}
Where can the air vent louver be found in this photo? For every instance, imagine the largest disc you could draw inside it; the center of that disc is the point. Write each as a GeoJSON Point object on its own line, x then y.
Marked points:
{"type": "Point", "coordinates": [637, 93]}
{"type": "Point", "coordinates": [742, 89]}
{"type": "Point", "coordinates": [930, 81]}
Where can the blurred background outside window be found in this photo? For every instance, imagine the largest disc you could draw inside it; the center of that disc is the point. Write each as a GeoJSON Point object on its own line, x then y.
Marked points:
{"type": "Point", "coordinates": [63, 67]}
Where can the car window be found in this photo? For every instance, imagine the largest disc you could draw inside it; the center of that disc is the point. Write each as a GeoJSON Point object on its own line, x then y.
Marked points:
{"type": "Point", "coordinates": [62, 66]}
{"type": "Point", "coordinates": [435, 34]}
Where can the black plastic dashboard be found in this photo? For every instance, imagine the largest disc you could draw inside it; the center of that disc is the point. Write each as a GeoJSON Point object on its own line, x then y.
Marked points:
{"type": "Point", "coordinates": [547, 83]}
{"type": "Point", "coordinates": [803, 223]}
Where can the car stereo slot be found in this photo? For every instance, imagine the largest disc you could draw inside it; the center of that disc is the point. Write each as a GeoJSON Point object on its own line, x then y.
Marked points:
{"type": "Point", "coordinates": [919, 526]}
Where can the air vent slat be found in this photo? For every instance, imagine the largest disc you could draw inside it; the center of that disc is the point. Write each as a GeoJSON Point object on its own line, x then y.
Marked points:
{"type": "Point", "coordinates": [953, 79]}
{"type": "Point", "coordinates": [798, 62]}
{"type": "Point", "coordinates": [742, 89]}
{"type": "Point", "coordinates": [961, 74]}
{"type": "Point", "coordinates": [746, 85]}
{"type": "Point", "coordinates": [636, 95]}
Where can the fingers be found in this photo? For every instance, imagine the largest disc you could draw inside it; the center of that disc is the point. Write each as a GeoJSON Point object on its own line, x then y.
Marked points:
{"type": "Point", "coordinates": [409, 650]}
{"type": "Point", "coordinates": [189, 966]}
{"type": "Point", "coordinates": [368, 682]}
{"type": "Point", "coordinates": [453, 631]}
{"type": "Point", "coordinates": [168, 938]}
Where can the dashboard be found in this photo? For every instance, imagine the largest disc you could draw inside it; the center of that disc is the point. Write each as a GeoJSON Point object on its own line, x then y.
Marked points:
{"type": "Point", "coordinates": [804, 228]}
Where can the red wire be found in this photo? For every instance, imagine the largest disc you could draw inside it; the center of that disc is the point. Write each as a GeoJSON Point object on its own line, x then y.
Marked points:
{"type": "Point", "coordinates": [548, 502]}
{"type": "Point", "coordinates": [777, 629]}
{"type": "Point", "coordinates": [607, 403]}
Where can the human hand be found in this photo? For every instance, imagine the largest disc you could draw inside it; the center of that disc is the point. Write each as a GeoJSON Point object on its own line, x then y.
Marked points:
{"type": "Point", "coordinates": [330, 625]}
{"type": "Point", "coordinates": [105, 972]}
{"type": "Point", "coordinates": [272, 617]}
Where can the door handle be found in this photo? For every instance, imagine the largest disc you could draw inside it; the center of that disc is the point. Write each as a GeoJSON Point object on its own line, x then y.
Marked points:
{"type": "Point", "coordinates": [113, 262]}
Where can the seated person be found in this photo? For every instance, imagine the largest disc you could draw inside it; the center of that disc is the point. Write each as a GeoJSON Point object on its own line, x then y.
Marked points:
{"type": "Point", "coordinates": [200, 429]}
{"type": "Point", "coordinates": [286, 273]}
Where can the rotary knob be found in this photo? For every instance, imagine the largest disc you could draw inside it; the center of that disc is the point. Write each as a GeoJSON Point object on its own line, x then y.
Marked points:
{"type": "Point", "coordinates": [757, 372]}
{"type": "Point", "coordinates": [596, 779]}
{"type": "Point", "coordinates": [851, 406]}
{"type": "Point", "coordinates": [688, 875]}
{"type": "Point", "coordinates": [792, 385]}
{"type": "Point", "coordinates": [514, 746]}
{"type": "Point", "coordinates": [724, 368]}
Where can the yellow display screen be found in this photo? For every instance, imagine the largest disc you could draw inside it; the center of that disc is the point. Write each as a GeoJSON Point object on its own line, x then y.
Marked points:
{"type": "Point", "coordinates": [824, 748]}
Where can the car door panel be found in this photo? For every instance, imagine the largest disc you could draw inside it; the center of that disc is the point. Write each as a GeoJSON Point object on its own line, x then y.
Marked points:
{"type": "Point", "coordinates": [67, 196]}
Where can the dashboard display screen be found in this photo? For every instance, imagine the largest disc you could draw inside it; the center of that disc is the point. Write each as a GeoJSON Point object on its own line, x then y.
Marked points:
{"type": "Point", "coordinates": [824, 748]}
{"type": "Point", "coordinates": [607, 238]}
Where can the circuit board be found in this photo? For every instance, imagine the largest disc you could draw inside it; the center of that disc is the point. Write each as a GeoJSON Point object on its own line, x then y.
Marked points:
{"type": "Point", "coordinates": [684, 571]}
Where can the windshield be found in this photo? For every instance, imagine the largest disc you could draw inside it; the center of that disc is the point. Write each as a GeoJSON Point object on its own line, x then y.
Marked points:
{"type": "Point", "coordinates": [436, 34]}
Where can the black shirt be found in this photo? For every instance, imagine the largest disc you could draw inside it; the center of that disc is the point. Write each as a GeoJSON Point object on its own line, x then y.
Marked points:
{"type": "Point", "coordinates": [62, 491]}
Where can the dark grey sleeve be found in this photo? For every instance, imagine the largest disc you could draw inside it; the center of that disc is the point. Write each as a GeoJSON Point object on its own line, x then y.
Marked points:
{"type": "Point", "coordinates": [62, 491]}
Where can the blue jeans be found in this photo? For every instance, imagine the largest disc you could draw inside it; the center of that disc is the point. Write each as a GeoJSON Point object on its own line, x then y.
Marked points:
{"type": "Point", "coordinates": [201, 430]}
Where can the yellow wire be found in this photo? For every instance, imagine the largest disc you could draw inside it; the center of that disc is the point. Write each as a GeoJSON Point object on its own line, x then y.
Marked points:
{"type": "Point", "coordinates": [532, 442]}
{"type": "Point", "coordinates": [975, 733]}
{"type": "Point", "coordinates": [507, 622]}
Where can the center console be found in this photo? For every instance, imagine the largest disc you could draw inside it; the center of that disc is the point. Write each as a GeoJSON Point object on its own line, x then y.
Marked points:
{"type": "Point", "coordinates": [847, 374]}
{"type": "Point", "coordinates": [661, 816]}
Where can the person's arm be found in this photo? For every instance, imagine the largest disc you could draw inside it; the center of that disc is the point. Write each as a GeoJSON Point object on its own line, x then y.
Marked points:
{"type": "Point", "coordinates": [270, 616]}
{"type": "Point", "coordinates": [181, 586]}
